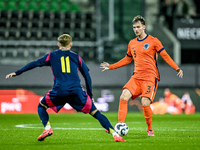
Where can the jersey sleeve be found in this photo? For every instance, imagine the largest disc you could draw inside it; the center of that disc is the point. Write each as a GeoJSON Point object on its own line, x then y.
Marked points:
{"type": "Point", "coordinates": [124, 61]}
{"type": "Point", "coordinates": [161, 50]}
{"type": "Point", "coordinates": [168, 59]}
{"type": "Point", "coordinates": [85, 72]}
{"type": "Point", "coordinates": [158, 45]}
{"type": "Point", "coordinates": [129, 50]}
{"type": "Point", "coordinates": [44, 61]}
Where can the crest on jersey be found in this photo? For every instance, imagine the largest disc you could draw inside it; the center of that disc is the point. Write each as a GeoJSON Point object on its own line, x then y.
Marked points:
{"type": "Point", "coordinates": [146, 46]}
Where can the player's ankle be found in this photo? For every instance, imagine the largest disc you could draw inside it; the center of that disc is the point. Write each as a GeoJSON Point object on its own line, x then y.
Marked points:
{"type": "Point", "coordinates": [114, 133]}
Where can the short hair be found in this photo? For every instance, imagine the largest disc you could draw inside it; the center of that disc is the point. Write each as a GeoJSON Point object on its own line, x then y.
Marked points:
{"type": "Point", "coordinates": [65, 39]}
{"type": "Point", "coordinates": [139, 18]}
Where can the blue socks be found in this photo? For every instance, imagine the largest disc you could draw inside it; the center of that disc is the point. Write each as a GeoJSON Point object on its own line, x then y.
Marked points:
{"type": "Point", "coordinates": [103, 120]}
{"type": "Point", "coordinates": [44, 117]}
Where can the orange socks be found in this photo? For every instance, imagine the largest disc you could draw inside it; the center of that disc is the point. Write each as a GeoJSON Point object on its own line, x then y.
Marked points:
{"type": "Point", "coordinates": [122, 112]}
{"type": "Point", "coordinates": [148, 116]}
{"type": "Point", "coordinates": [123, 108]}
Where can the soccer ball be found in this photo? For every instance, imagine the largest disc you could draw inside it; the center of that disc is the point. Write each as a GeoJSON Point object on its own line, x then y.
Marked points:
{"type": "Point", "coordinates": [121, 128]}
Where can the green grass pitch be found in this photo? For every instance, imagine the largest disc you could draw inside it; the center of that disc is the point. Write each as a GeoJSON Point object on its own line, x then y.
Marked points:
{"type": "Point", "coordinates": [82, 132]}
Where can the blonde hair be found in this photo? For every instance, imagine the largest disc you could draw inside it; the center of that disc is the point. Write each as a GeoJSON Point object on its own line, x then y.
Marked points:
{"type": "Point", "coordinates": [64, 39]}
{"type": "Point", "coordinates": [139, 18]}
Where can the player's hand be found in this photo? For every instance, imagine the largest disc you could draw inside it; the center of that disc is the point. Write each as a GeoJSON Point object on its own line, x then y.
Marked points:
{"type": "Point", "coordinates": [104, 66]}
{"type": "Point", "coordinates": [93, 99]}
{"type": "Point", "coordinates": [180, 72]}
{"type": "Point", "coordinates": [10, 75]}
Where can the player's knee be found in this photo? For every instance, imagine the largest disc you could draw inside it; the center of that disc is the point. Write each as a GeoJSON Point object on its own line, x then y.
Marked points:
{"type": "Point", "coordinates": [126, 94]}
{"type": "Point", "coordinates": [94, 112]}
{"type": "Point", "coordinates": [145, 101]}
{"type": "Point", "coordinates": [124, 97]}
{"type": "Point", "coordinates": [40, 105]}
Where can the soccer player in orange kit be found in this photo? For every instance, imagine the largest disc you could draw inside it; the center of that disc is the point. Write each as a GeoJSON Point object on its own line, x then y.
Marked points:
{"type": "Point", "coordinates": [144, 81]}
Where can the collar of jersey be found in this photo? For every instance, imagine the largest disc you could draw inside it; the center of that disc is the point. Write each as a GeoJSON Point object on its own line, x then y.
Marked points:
{"type": "Point", "coordinates": [65, 49]}
{"type": "Point", "coordinates": [143, 38]}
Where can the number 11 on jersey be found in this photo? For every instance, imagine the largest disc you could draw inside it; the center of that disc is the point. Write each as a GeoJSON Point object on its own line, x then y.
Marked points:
{"type": "Point", "coordinates": [65, 64]}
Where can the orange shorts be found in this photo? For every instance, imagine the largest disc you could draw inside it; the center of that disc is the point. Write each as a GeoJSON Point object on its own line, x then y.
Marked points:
{"type": "Point", "coordinates": [142, 87]}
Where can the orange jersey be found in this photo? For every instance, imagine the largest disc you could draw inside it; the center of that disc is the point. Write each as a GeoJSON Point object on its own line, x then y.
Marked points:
{"type": "Point", "coordinates": [144, 53]}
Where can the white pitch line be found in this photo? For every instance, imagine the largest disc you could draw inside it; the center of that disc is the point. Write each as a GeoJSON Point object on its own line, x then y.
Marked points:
{"type": "Point", "coordinates": [27, 126]}
{"type": "Point", "coordinates": [35, 126]}
{"type": "Point", "coordinates": [79, 128]}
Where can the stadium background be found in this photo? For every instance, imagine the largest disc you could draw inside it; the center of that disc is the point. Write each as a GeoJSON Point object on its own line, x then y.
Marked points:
{"type": "Point", "coordinates": [101, 30]}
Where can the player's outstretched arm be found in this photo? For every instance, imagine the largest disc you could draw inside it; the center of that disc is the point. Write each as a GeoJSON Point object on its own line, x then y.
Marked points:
{"type": "Point", "coordinates": [169, 60]}
{"type": "Point", "coordinates": [10, 75]}
{"type": "Point", "coordinates": [180, 72]}
{"type": "Point", "coordinates": [104, 66]}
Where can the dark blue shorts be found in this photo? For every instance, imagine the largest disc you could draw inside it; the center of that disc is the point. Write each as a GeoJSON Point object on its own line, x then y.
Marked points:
{"type": "Point", "coordinates": [77, 98]}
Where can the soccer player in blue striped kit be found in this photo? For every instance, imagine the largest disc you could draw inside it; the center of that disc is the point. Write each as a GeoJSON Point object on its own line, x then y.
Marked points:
{"type": "Point", "coordinates": [67, 88]}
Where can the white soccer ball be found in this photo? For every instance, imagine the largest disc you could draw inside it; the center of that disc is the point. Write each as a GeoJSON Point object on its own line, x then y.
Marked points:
{"type": "Point", "coordinates": [122, 128]}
